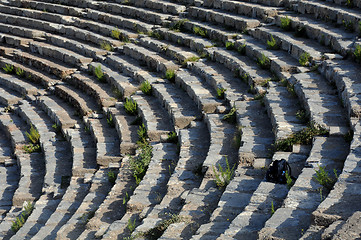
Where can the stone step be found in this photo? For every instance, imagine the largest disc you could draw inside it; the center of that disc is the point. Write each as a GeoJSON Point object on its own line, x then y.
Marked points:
{"type": "Point", "coordinates": [30, 73]}
{"type": "Point", "coordinates": [68, 205]}
{"type": "Point", "coordinates": [199, 91]}
{"type": "Point", "coordinates": [295, 47]}
{"type": "Point", "coordinates": [43, 64]}
{"type": "Point", "coordinates": [324, 33]}
{"type": "Point", "coordinates": [180, 54]}
{"type": "Point", "coordinates": [222, 17]}
{"type": "Point", "coordinates": [151, 189]}
{"type": "Point", "coordinates": [219, 78]}
{"type": "Point", "coordinates": [282, 108]}
{"type": "Point", "coordinates": [304, 196]}
{"type": "Point", "coordinates": [355, 3]}
{"type": "Point", "coordinates": [162, 6]}
{"type": "Point", "coordinates": [58, 160]}
{"type": "Point", "coordinates": [107, 141]}
{"type": "Point", "coordinates": [61, 54]}
{"type": "Point", "coordinates": [43, 208]}
{"type": "Point", "coordinates": [126, 129]}
{"type": "Point", "coordinates": [125, 85]}
{"type": "Point", "coordinates": [331, 12]}
{"type": "Point", "coordinates": [256, 134]}
{"type": "Point", "coordinates": [82, 145]}
{"type": "Point", "coordinates": [240, 65]}
{"type": "Point", "coordinates": [235, 197]}
{"type": "Point", "coordinates": [153, 60]}
{"type": "Point", "coordinates": [201, 202]}
{"type": "Point", "coordinates": [274, 3]}
{"type": "Point", "coordinates": [81, 101]}
{"type": "Point", "coordinates": [194, 144]}
{"type": "Point", "coordinates": [210, 30]}
{"type": "Point", "coordinates": [181, 109]}
{"type": "Point", "coordinates": [85, 49]}
{"type": "Point", "coordinates": [22, 31]}
{"type": "Point", "coordinates": [102, 92]}
{"type": "Point", "coordinates": [8, 97]}
{"type": "Point", "coordinates": [113, 207]}
{"type": "Point", "coordinates": [321, 102]}
{"type": "Point", "coordinates": [15, 41]}
{"type": "Point", "coordinates": [98, 191]}
{"type": "Point", "coordinates": [345, 76]}
{"type": "Point", "coordinates": [18, 85]}
{"type": "Point", "coordinates": [155, 118]}
{"type": "Point", "coordinates": [194, 42]}
{"type": "Point", "coordinates": [135, 12]}
{"type": "Point", "coordinates": [254, 10]}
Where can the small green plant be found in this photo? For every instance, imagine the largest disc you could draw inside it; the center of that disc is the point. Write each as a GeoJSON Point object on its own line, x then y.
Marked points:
{"type": "Point", "coordinates": [231, 117]}
{"type": "Point", "coordinates": [272, 208]}
{"type": "Point", "coordinates": [286, 23]}
{"type": "Point", "coordinates": [131, 225]}
{"type": "Point", "coordinates": [359, 28]}
{"type": "Point", "coordinates": [349, 3]}
{"type": "Point", "coordinates": [170, 75]}
{"type": "Point", "coordinates": [272, 44]}
{"type": "Point", "coordinates": [56, 128]}
{"type": "Point", "coordinates": [179, 25]}
{"type": "Point", "coordinates": [106, 46]}
{"type": "Point", "coordinates": [31, 148]}
{"type": "Point", "coordinates": [20, 220]}
{"type": "Point", "coordinates": [110, 121]}
{"type": "Point", "coordinates": [348, 25]}
{"type": "Point", "coordinates": [19, 72]}
{"type": "Point", "coordinates": [357, 53]}
{"type": "Point", "coordinates": [199, 31]}
{"type": "Point", "coordinates": [289, 180]}
{"type": "Point", "coordinates": [220, 93]}
{"type": "Point", "coordinates": [229, 45]}
{"type": "Point", "coordinates": [111, 176]}
{"type": "Point", "coordinates": [264, 62]}
{"type": "Point", "coordinates": [139, 164]}
{"type": "Point", "coordinates": [115, 33]}
{"type": "Point", "coordinates": [8, 68]}
{"type": "Point", "coordinates": [242, 49]}
{"type": "Point", "coordinates": [85, 217]}
{"type": "Point", "coordinates": [142, 134]}
{"type": "Point", "coordinates": [172, 137]}
{"type": "Point", "coordinates": [190, 59]}
{"type": "Point", "coordinates": [130, 106]}
{"type": "Point", "coordinates": [302, 115]}
{"type": "Point", "coordinates": [303, 137]}
{"type": "Point", "coordinates": [125, 198]}
{"type": "Point", "coordinates": [33, 135]}
{"type": "Point", "coordinates": [223, 176]}
{"type": "Point", "coordinates": [117, 93]}
{"type": "Point", "coordinates": [157, 231]}
{"type": "Point", "coordinates": [156, 35]}
{"type": "Point", "coordinates": [146, 88]}
{"type": "Point", "coordinates": [304, 59]}
{"type": "Point", "coordinates": [236, 141]}
{"type": "Point", "coordinates": [98, 72]}
{"type": "Point", "coordinates": [323, 178]}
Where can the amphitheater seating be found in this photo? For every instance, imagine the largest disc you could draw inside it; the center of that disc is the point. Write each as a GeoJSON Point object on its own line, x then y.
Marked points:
{"type": "Point", "coordinates": [217, 86]}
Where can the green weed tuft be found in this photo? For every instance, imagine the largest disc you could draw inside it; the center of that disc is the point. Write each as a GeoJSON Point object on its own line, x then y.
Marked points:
{"type": "Point", "coordinates": [98, 72]}
{"type": "Point", "coordinates": [130, 106]}
{"type": "Point", "coordinates": [286, 23]}
{"type": "Point", "coordinates": [115, 33]}
{"type": "Point", "coordinates": [19, 72]}
{"type": "Point", "coordinates": [272, 44]}
{"type": "Point", "coordinates": [20, 220]}
{"type": "Point", "coordinates": [170, 75]}
{"type": "Point", "coordinates": [264, 62]}
{"type": "Point", "coordinates": [220, 93]}
{"type": "Point", "coordinates": [111, 177]}
{"type": "Point", "coordinates": [179, 25]}
{"type": "Point", "coordinates": [172, 137]}
{"type": "Point", "coordinates": [139, 164]}
{"type": "Point", "coordinates": [304, 59]}
{"type": "Point", "coordinates": [357, 53]}
{"type": "Point", "coordinates": [323, 178]}
{"type": "Point", "coordinates": [8, 68]}
{"type": "Point", "coordinates": [231, 117]}
{"type": "Point", "coordinates": [199, 31]}
{"type": "Point", "coordinates": [223, 176]}
{"type": "Point", "coordinates": [106, 46]}
{"type": "Point", "coordinates": [146, 88]}
{"type": "Point", "coordinates": [229, 45]}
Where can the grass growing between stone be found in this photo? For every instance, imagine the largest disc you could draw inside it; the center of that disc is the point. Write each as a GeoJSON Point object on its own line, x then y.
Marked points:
{"type": "Point", "coordinates": [140, 163]}
{"type": "Point", "coordinates": [130, 107]}
{"type": "Point", "coordinates": [231, 116]}
{"type": "Point", "coordinates": [20, 220]}
{"type": "Point", "coordinates": [157, 231]}
{"type": "Point", "coordinates": [303, 137]}
{"type": "Point", "coordinates": [99, 74]}
{"type": "Point", "coordinates": [34, 140]}
{"type": "Point", "coordinates": [220, 93]}
{"type": "Point", "coordinates": [272, 44]}
{"type": "Point", "coordinates": [304, 59]}
{"type": "Point", "coordinates": [223, 176]}
{"type": "Point", "coordinates": [8, 68]}
{"type": "Point", "coordinates": [172, 137]}
{"type": "Point", "coordinates": [324, 178]}
{"type": "Point", "coordinates": [264, 62]}
{"type": "Point", "coordinates": [170, 75]}
{"type": "Point", "coordinates": [286, 23]}
{"type": "Point", "coordinates": [146, 88]}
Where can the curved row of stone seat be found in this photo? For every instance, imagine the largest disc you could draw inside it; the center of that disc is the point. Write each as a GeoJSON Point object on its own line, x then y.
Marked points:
{"type": "Point", "coordinates": [9, 170]}
{"type": "Point", "coordinates": [147, 194]}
